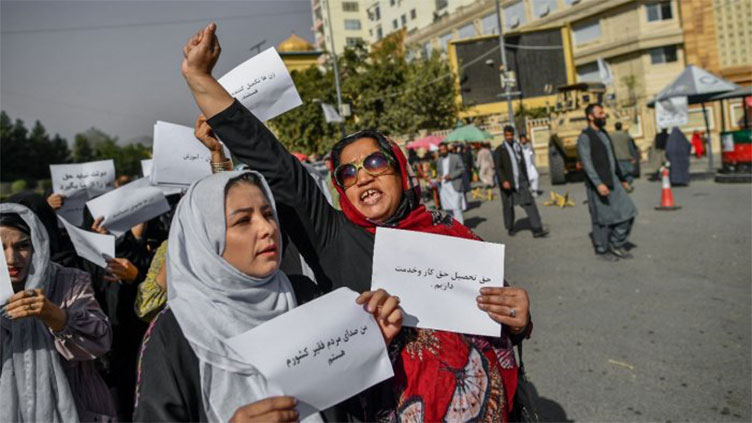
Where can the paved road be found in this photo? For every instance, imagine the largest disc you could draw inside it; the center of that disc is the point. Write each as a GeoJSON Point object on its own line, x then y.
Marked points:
{"type": "Point", "coordinates": [663, 337]}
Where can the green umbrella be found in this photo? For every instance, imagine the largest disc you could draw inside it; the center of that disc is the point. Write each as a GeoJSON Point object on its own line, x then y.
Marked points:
{"type": "Point", "coordinates": [468, 133]}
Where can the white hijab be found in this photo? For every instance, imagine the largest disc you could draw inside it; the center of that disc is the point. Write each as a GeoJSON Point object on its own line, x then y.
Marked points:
{"type": "Point", "coordinates": [33, 385]}
{"type": "Point", "coordinates": [213, 301]}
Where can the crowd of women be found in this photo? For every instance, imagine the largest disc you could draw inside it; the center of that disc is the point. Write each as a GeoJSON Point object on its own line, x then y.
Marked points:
{"type": "Point", "coordinates": [145, 338]}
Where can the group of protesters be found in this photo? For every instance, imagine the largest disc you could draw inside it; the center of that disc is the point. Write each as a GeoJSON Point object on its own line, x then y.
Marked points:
{"type": "Point", "coordinates": [145, 339]}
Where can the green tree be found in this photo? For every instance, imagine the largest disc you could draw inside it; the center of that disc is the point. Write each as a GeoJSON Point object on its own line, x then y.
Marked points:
{"type": "Point", "coordinates": [82, 151]}
{"type": "Point", "coordinates": [386, 92]}
{"type": "Point", "coordinates": [95, 144]}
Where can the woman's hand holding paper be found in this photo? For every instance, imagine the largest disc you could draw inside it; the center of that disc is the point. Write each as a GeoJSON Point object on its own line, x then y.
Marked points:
{"type": "Point", "coordinates": [385, 308]}
{"type": "Point", "coordinates": [509, 306]}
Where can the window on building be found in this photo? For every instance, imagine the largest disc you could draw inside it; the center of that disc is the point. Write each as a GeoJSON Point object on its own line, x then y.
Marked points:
{"type": "Point", "coordinates": [379, 33]}
{"type": "Point", "coordinates": [352, 24]}
{"type": "Point", "coordinates": [352, 41]}
{"type": "Point", "coordinates": [466, 31]}
{"type": "Point", "coordinates": [490, 24]}
{"type": "Point", "coordinates": [660, 11]}
{"type": "Point", "coordinates": [413, 15]}
{"type": "Point", "coordinates": [586, 32]}
{"type": "Point", "coordinates": [441, 4]}
{"type": "Point", "coordinates": [666, 54]}
{"type": "Point", "coordinates": [403, 18]}
{"type": "Point", "coordinates": [543, 8]}
{"type": "Point", "coordinates": [444, 41]}
{"type": "Point", "coordinates": [514, 15]}
{"type": "Point", "coordinates": [391, 2]}
{"type": "Point", "coordinates": [377, 13]}
{"type": "Point", "coordinates": [395, 24]}
{"type": "Point", "coordinates": [349, 6]}
{"type": "Point", "coordinates": [588, 72]}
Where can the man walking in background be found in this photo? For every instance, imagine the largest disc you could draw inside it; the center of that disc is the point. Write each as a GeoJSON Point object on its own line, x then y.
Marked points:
{"type": "Point", "coordinates": [511, 169]}
{"type": "Point", "coordinates": [625, 151]}
{"type": "Point", "coordinates": [451, 173]}
{"type": "Point", "coordinates": [612, 212]}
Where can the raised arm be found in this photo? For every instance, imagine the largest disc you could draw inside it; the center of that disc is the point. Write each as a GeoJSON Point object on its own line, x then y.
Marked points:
{"type": "Point", "coordinates": [200, 54]}
{"type": "Point", "coordinates": [314, 221]}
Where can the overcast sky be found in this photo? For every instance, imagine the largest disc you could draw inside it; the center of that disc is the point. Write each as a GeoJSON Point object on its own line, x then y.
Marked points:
{"type": "Point", "coordinates": [115, 65]}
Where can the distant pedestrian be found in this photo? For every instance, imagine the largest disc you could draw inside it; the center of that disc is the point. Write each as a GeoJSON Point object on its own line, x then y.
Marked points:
{"type": "Point", "coordinates": [612, 212]}
{"type": "Point", "coordinates": [532, 172]}
{"type": "Point", "coordinates": [678, 150]}
{"type": "Point", "coordinates": [698, 144]}
{"type": "Point", "coordinates": [451, 173]}
{"type": "Point", "coordinates": [511, 170]}
{"type": "Point", "coordinates": [624, 149]}
{"type": "Point", "coordinates": [658, 153]}
{"type": "Point", "coordinates": [486, 165]}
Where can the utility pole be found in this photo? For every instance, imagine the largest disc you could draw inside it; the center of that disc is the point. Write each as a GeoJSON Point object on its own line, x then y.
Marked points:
{"type": "Point", "coordinates": [505, 71]}
{"type": "Point", "coordinates": [257, 47]}
{"type": "Point", "coordinates": [335, 64]}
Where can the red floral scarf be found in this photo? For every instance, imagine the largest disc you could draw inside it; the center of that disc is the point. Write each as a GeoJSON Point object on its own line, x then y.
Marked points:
{"type": "Point", "coordinates": [443, 376]}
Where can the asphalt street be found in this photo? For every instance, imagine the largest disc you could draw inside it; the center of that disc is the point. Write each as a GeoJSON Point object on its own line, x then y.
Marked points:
{"type": "Point", "coordinates": [662, 337]}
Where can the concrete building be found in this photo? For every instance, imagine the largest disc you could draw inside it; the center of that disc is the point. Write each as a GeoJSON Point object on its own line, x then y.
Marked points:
{"type": "Point", "coordinates": [646, 44]}
{"type": "Point", "coordinates": [387, 16]}
{"type": "Point", "coordinates": [348, 24]}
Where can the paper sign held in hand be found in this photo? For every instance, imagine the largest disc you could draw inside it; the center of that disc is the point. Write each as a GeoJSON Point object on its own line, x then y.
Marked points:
{"type": "Point", "coordinates": [78, 183]}
{"type": "Point", "coordinates": [263, 85]}
{"type": "Point", "coordinates": [179, 159]}
{"type": "Point", "coordinates": [331, 350]}
{"type": "Point", "coordinates": [438, 278]}
{"type": "Point", "coordinates": [6, 286]}
{"type": "Point", "coordinates": [129, 205]}
{"type": "Point", "coordinates": [90, 245]}
{"type": "Point", "coordinates": [146, 165]}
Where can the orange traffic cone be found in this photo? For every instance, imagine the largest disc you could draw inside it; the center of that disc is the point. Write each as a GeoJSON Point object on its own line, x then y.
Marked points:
{"type": "Point", "coordinates": [667, 198]}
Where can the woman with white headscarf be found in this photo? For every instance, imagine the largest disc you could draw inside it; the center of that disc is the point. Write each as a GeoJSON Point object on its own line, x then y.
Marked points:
{"type": "Point", "coordinates": [51, 331]}
{"type": "Point", "coordinates": [223, 279]}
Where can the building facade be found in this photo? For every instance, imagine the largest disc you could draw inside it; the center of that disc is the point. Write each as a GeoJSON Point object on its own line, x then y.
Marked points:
{"type": "Point", "coordinates": [644, 43]}
{"type": "Point", "coordinates": [348, 24]}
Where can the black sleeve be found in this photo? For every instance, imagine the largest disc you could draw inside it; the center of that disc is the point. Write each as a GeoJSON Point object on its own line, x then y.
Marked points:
{"type": "Point", "coordinates": [169, 388]}
{"type": "Point", "coordinates": [133, 249]}
{"type": "Point", "coordinates": [300, 202]}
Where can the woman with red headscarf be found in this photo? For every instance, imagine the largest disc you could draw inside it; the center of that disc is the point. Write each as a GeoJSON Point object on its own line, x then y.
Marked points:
{"type": "Point", "coordinates": [438, 375]}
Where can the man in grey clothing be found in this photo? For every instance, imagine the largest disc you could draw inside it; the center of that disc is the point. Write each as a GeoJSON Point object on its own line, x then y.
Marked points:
{"type": "Point", "coordinates": [625, 151]}
{"type": "Point", "coordinates": [451, 172]}
{"type": "Point", "coordinates": [612, 212]}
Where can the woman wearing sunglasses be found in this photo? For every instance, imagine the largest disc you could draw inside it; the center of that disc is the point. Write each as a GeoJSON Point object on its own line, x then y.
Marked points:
{"type": "Point", "coordinates": [433, 368]}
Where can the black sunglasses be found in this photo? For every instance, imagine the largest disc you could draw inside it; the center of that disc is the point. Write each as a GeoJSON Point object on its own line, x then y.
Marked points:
{"type": "Point", "coordinates": [375, 164]}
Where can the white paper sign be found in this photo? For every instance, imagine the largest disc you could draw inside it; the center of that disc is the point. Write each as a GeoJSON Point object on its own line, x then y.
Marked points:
{"type": "Point", "coordinates": [73, 207]}
{"type": "Point", "coordinates": [438, 278]}
{"type": "Point", "coordinates": [672, 112]}
{"type": "Point", "coordinates": [78, 183]}
{"type": "Point", "coordinates": [322, 353]}
{"type": "Point", "coordinates": [94, 177]}
{"type": "Point", "coordinates": [129, 205]}
{"type": "Point", "coordinates": [178, 157]}
{"type": "Point", "coordinates": [263, 84]}
{"type": "Point", "coordinates": [90, 245]}
{"type": "Point", "coordinates": [6, 286]}
{"type": "Point", "coordinates": [146, 167]}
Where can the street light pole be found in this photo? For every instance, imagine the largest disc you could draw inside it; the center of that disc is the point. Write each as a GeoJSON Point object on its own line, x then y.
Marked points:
{"type": "Point", "coordinates": [335, 65]}
{"type": "Point", "coordinates": [505, 72]}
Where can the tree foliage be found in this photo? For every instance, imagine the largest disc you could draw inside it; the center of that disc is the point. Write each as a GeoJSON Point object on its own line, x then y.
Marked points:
{"type": "Point", "coordinates": [28, 154]}
{"type": "Point", "coordinates": [385, 90]}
